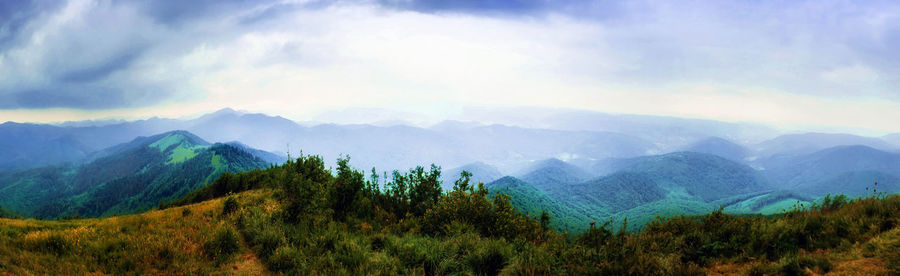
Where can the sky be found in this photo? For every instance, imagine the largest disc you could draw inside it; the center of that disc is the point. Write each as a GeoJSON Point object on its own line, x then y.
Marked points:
{"type": "Point", "coordinates": [790, 64]}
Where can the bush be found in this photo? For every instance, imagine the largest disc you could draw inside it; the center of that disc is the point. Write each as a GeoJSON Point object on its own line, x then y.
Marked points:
{"type": "Point", "coordinates": [796, 265]}
{"type": "Point", "coordinates": [267, 241]}
{"type": "Point", "coordinates": [165, 257]}
{"type": "Point", "coordinates": [350, 254]}
{"type": "Point", "coordinates": [284, 259]}
{"type": "Point", "coordinates": [223, 246]}
{"type": "Point", "coordinates": [378, 242]}
{"type": "Point", "coordinates": [54, 244]}
{"type": "Point", "coordinates": [489, 258]}
{"type": "Point", "coordinates": [229, 206]}
{"type": "Point", "coordinates": [113, 255]}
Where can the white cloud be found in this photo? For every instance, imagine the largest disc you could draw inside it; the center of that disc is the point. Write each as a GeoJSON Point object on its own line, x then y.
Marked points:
{"type": "Point", "coordinates": [851, 75]}
{"type": "Point", "coordinates": [788, 64]}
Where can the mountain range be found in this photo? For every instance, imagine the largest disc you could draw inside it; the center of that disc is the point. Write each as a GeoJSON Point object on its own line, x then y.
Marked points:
{"type": "Point", "coordinates": [126, 178]}
{"type": "Point", "coordinates": [558, 162]}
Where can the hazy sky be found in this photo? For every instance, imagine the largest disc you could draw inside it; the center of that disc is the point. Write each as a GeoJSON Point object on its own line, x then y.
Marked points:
{"type": "Point", "coordinates": [786, 63]}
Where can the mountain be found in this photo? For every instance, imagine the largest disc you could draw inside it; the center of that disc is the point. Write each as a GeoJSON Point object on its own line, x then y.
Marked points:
{"type": "Point", "coordinates": [698, 175]}
{"type": "Point", "coordinates": [126, 178]}
{"type": "Point", "coordinates": [553, 175]}
{"type": "Point", "coordinates": [643, 187]}
{"type": "Point", "coordinates": [271, 133]}
{"type": "Point", "coordinates": [511, 148]}
{"type": "Point", "coordinates": [533, 201]}
{"type": "Point", "coordinates": [799, 144]}
{"type": "Point", "coordinates": [841, 169]}
{"type": "Point", "coordinates": [24, 146]}
{"type": "Point", "coordinates": [269, 157]}
{"type": "Point", "coordinates": [893, 139]}
{"type": "Point", "coordinates": [667, 133]}
{"type": "Point", "coordinates": [720, 147]}
{"type": "Point", "coordinates": [481, 173]}
{"type": "Point", "coordinates": [30, 145]}
{"type": "Point", "coordinates": [617, 192]}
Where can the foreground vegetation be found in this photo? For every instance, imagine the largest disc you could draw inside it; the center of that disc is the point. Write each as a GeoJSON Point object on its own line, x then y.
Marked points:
{"type": "Point", "coordinates": [303, 218]}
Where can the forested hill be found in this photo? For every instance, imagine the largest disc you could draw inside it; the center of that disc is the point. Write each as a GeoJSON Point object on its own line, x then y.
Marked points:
{"type": "Point", "coordinates": [127, 178]}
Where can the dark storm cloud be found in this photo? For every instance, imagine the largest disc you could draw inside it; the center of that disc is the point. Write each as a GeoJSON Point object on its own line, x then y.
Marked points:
{"type": "Point", "coordinates": [96, 55]}
{"type": "Point", "coordinates": [103, 69]}
{"type": "Point", "coordinates": [15, 14]}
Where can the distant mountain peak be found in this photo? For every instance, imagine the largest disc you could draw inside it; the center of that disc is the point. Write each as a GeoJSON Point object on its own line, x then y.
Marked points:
{"type": "Point", "coordinates": [185, 136]}
{"type": "Point", "coordinates": [720, 147]}
{"type": "Point", "coordinates": [553, 172]}
{"type": "Point", "coordinates": [224, 112]}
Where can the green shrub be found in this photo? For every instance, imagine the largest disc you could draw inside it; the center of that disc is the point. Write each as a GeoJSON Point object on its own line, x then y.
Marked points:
{"type": "Point", "coordinates": [165, 257]}
{"type": "Point", "coordinates": [408, 250]}
{"type": "Point", "coordinates": [377, 242]}
{"type": "Point", "coordinates": [223, 246]}
{"type": "Point", "coordinates": [229, 206]}
{"type": "Point", "coordinates": [490, 258]}
{"type": "Point", "coordinates": [54, 244]}
{"type": "Point", "coordinates": [382, 264]}
{"type": "Point", "coordinates": [350, 254]}
{"type": "Point", "coordinates": [797, 265]}
{"type": "Point", "coordinates": [267, 241]}
{"type": "Point", "coordinates": [762, 270]}
{"type": "Point", "coordinates": [284, 259]}
{"type": "Point", "coordinates": [113, 255]}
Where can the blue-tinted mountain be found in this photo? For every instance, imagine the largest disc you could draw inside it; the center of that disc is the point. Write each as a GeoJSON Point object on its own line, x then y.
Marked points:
{"type": "Point", "coordinates": [841, 169]}
{"type": "Point", "coordinates": [269, 157]}
{"type": "Point", "coordinates": [893, 139]}
{"type": "Point", "coordinates": [700, 175]}
{"type": "Point", "coordinates": [666, 133]}
{"type": "Point", "coordinates": [31, 145]}
{"type": "Point", "coordinates": [720, 147]}
{"type": "Point", "coordinates": [616, 192]}
{"type": "Point", "coordinates": [481, 172]}
{"type": "Point", "coordinates": [128, 178]}
{"type": "Point", "coordinates": [553, 175]}
{"type": "Point", "coordinates": [800, 144]}
{"type": "Point", "coordinates": [669, 184]}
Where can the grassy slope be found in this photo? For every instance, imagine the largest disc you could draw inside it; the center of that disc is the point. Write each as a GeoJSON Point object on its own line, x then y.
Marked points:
{"type": "Point", "coordinates": [148, 243]}
{"type": "Point", "coordinates": [872, 257]}
{"type": "Point", "coordinates": [172, 240]}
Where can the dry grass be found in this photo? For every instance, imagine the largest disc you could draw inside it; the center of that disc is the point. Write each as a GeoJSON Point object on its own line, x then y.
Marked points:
{"type": "Point", "coordinates": [866, 258]}
{"type": "Point", "coordinates": [155, 242]}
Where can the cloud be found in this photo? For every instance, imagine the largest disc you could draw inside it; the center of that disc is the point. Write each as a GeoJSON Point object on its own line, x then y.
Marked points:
{"type": "Point", "coordinates": [299, 58]}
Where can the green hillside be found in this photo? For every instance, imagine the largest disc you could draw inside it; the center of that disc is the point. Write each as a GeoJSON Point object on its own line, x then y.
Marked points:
{"type": "Point", "coordinates": [552, 175]}
{"type": "Point", "coordinates": [303, 218]}
{"type": "Point", "coordinates": [842, 169]}
{"type": "Point", "coordinates": [664, 185]}
{"type": "Point", "coordinates": [701, 176]}
{"type": "Point", "coordinates": [533, 201]}
{"type": "Point", "coordinates": [129, 178]}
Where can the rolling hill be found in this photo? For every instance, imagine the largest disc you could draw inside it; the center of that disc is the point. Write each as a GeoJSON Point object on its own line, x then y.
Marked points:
{"type": "Point", "coordinates": [533, 201]}
{"type": "Point", "coordinates": [805, 143]}
{"type": "Point", "coordinates": [841, 169]}
{"type": "Point", "coordinates": [698, 175]}
{"type": "Point", "coordinates": [720, 147]}
{"type": "Point", "coordinates": [554, 175]}
{"type": "Point", "coordinates": [481, 173]}
{"type": "Point", "coordinates": [30, 145]}
{"type": "Point", "coordinates": [127, 178]}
